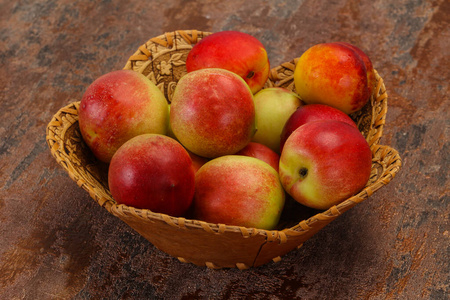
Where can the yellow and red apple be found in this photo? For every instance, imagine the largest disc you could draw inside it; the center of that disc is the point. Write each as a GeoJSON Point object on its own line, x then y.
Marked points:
{"type": "Point", "coordinates": [273, 108]}
{"type": "Point", "coordinates": [212, 112]}
{"type": "Point", "coordinates": [334, 74]}
{"type": "Point", "coordinates": [325, 162]}
{"type": "Point", "coordinates": [117, 107]}
{"type": "Point", "coordinates": [371, 79]}
{"type": "Point", "coordinates": [238, 190]}
{"type": "Point", "coordinates": [235, 51]}
{"type": "Point", "coordinates": [154, 172]}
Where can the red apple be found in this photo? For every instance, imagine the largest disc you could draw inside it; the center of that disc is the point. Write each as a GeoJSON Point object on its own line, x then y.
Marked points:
{"type": "Point", "coordinates": [197, 161]}
{"type": "Point", "coordinates": [273, 108]}
{"type": "Point", "coordinates": [154, 172]}
{"type": "Point", "coordinates": [261, 152]}
{"type": "Point", "coordinates": [310, 113]}
{"type": "Point", "coordinates": [371, 79]}
{"type": "Point", "coordinates": [117, 107]}
{"type": "Point", "coordinates": [332, 74]}
{"type": "Point", "coordinates": [212, 112]}
{"type": "Point", "coordinates": [238, 190]}
{"type": "Point", "coordinates": [235, 51]}
{"type": "Point", "coordinates": [324, 163]}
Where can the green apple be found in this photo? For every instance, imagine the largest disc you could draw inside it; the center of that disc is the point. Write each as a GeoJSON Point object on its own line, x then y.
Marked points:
{"type": "Point", "coordinates": [273, 107]}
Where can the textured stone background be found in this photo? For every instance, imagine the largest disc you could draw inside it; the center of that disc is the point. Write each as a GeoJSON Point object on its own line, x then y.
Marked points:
{"type": "Point", "coordinates": [57, 243]}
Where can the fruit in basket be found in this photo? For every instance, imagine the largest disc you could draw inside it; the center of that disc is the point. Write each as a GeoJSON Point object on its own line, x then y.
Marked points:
{"type": "Point", "coordinates": [197, 161]}
{"type": "Point", "coordinates": [212, 112]}
{"type": "Point", "coordinates": [235, 51]}
{"type": "Point", "coordinates": [324, 163]}
{"type": "Point", "coordinates": [117, 107]}
{"type": "Point", "coordinates": [334, 74]}
{"type": "Point", "coordinates": [371, 79]}
{"type": "Point", "coordinates": [310, 113]}
{"type": "Point", "coordinates": [261, 152]}
{"type": "Point", "coordinates": [273, 108]}
{"type": "Point", "coordinates": [154, 172]}
{"type": "Point", "coordinates": [238, 190]}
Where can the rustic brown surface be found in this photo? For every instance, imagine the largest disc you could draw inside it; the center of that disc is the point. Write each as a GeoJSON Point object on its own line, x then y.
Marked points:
{"type": "Point", "coordinates": [57, 243]}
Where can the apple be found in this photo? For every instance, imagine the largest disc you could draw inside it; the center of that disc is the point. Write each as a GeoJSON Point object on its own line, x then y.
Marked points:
{"type": "Point", "coordinates": [169, 127]}
{"type": "Point", "coordinates": [197, 161]}
{"type": "Point", "coordinates": [324, 163]}
{"type": "Point", "coordinates": [371, 79]}
{"type": "Point", "coordinates": [212, 112]}
{"type": "Point", "coordinates": [273, 108]}
{"type": "Point", "coordinates": [238, 190]}
{"type": "Point", "coordinates": [261, 152]}
{"type": "Point", "coordinates": [235, 51]}
{"type": "Point", "coordinates": [118, 106]}
{"type": "Point", "coordinates": [332, 74]}
{"type": "Point", "coordinates": [310, 113]}
{"type": "Point", "coordinates": [154, 172]}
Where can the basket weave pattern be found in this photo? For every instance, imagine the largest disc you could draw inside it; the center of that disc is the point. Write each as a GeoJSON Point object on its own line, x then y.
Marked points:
{"type": "Point", "coordinates": [162, 60]}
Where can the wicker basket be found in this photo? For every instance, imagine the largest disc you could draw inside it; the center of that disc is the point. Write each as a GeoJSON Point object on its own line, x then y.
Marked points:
{"type": "Point", "coordinates": [213, 245]}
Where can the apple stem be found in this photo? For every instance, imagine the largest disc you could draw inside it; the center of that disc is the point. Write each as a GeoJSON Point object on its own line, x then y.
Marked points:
{"type": "Point", "coordinates": [250, 74]}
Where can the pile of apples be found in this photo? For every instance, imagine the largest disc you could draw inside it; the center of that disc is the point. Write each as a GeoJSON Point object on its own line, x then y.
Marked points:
{"type": "Point", "coordinates": [225, 150]}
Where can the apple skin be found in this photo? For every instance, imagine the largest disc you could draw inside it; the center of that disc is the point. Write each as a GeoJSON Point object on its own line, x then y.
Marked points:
{"type": "Point", "coordinates": [118, 106]}
{"type": "Point", "coordinates": [273, 108]}
{"type": "Point", "coordinates": [197, 161]}
{"type": "Point", "coordinates": [261, 152]}
{"type": "Point", "coordinates": [238, 190]}
{"type": "Point", "coordinates": [324, 163]}
{"type": "Point", "coordinates": [212, 112]}
{"type": "Point", "coordinates": [154, 172]}
{"type": "Point", "coordinates": [332, 74]}
{"type": "Point", "coordinates": [235, 51]}
{"type": "Point", "coordinates": [371, 79]}
{"type": "Point", "coordinates": [311, 113]}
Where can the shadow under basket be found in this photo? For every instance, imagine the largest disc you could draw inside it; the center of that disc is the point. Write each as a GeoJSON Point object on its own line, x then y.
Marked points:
{"type": "Point", "coordinates": [162, 60]}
